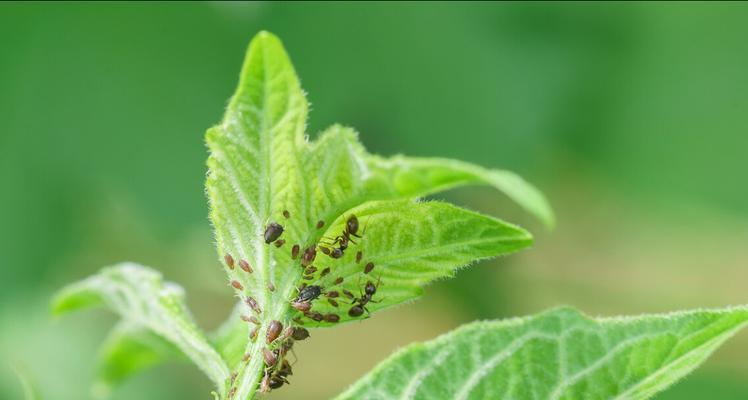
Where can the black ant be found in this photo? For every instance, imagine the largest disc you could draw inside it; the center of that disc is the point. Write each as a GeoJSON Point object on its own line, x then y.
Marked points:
{"type": "Point", "coordinates": [365, 298]}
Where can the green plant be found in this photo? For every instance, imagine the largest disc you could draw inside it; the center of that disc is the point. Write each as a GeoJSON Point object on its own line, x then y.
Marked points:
{"type": "Point", "coordinates": [263, 171]}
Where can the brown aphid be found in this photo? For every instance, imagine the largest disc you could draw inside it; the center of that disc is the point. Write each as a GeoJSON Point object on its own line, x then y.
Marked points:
{"type": "Point", "coordinates": [237, 285]}
{"type": "Point", "coordinates": [232, 392]}
{"type": "Point", "coordinates": [270, 358]}
{"type": "Point", "coordinates": [243, 264]}
{"type": "Point", "coordinates": [348, 294]}
{"type": "Point", "coordinates": [324, 250]}
{"type": "Point", "coordinates": [298, 320]}
{"type": "Point", "coordinates": [299, 333]}
{"type": "Point", "coordinates": [252, 303]}
{"type": "Point", "coordinates": [295, 251]}
{"type": "Point", "coordinates": [254, 320]}
{"type": "Point", "coordinates": [245, 318]}
{"type": "Point", "coordinates": [246, 357]}
{"type": "Point", "coordinates": [308, 277]}
{"type": "Point", "coordinates": [288, 333]}
{"type": "Point", "coordinates": [302, 306]}
{"type": "Point", "coordinates": [280, 242]}
{"type": "Point", "coordinates": [332, 294]}
{"type": "Point", "coordinates": [265, 384]}
{"type": "Point", "coordinates": [356, 311]}
{"type": "Point", "coordinates": [332, 302]}
{"type": "Point", "coordinates": [271, 287]}
{"type": "Point", "coordinates": [286, 214]}
{"type": "Point", "coordinates": [274, 330]}
{"type": "Point", "coordinates": [332, 318]}
{"type": "Point", "coordinates": [310, 270]}
{"type": "Point", "coordinates": [253, 334]}
{"type": "Point", "coordinates": [359, 254]}
{"type": "Point", "coordinates": [338, 281]}
{"type": "Point", "coordinates": [314, 315]}
{"type": "Point", "coordinates": [272, 232]}
{"type": "Point", "coordinates": [308, 257]}
{"type": "Point", "coordinates": [229, 261]}
{"type": "Point", "coordinates": [233, 377]}
{"type": "Point", "coordinates": [324, 272]}
{"type": "Point", "coordinates": [320, 224]}
{"type": "Point", "coordinates": [369, 266]}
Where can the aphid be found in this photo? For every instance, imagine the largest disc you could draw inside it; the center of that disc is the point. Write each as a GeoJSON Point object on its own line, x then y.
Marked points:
{"type": "Point", "coordinates": [233, 377]}
{"type": "Point", "coordinates": [338, 281]}
{"type": "Point", "coordinates": [273, 232]}
{"type": "Point", "coordinates": [288, 333]}
{"type": "Point", "coordinates": [294, 251]}
{"type": "Point", "coordinates": [232, 392]}
{"type": "Point", "coordinates": [254, 320]}
{"type": "Point", "coordinates": [356, 311]}
{"type": "Point", "coordinates": [332, 294]}
{"type": "Point", "coordinates": [299, 333]}
{"type": "Point", "coordinates": [237, 285]}
{"type": "Point", "coordinates": [265, 384]}
{"type": "Point", "coordinates": [320, 224]}
{"type": "Point", "coordinates": [325, 250]}
{"type": "Point", "coordinates": [274, 330]}
{"type": "Point", "coordinates": [245, 318]}
{"type": "Point", "coordinates": [348, 294]}
{"type": "Point", "coordinates": [359, 254]}
{"type": "Point", "coordinates": [286, 214]}
{"type": "Point", "coordinates": [308, 257]}
{"type": "Point", "coordinates": [308, 277]}
{"type": "Point", "coordinates": [245, 266]}
{"type": "Point", "coordinates": [369, 266]}
{"type": "Point", "coordinates": [332, 318]}
{"type": "Point", "coordinates": [270, 358]}
{"type": "Point", "coordinates": [332, 302]}
{"type": "Point", "coordinates": [252, 303]}
{"type": "Point", "coordinates": [310, 270]}
{"type": "Point", "coordinates": [309, 293]}
{"type": "Point", "coordinates": [229, 261]}
{"type": "Point", "coordinates": [324, 272]}
{"type": "Point", "coordinates": [271, 287]}
{"type": "Point", "coordinates": [246, 357]}
{"type": "Point", "coordinates": [280, 242]}
{"type": "Point", "coordinates": [314, 315]}
{"type": "Point", "coordinates": [298, 320]}
{"type": "Point", "coordinates": [301, 306]}
{"type": "Point", "coordinates": [253, 334]}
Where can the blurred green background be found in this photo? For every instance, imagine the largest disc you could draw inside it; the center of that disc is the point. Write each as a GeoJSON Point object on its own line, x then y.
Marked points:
{"type": "Point", "coordinates": [633, 118]}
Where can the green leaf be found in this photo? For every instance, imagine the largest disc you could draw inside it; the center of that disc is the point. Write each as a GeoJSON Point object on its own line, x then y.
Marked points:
{"type": "Point", "coordinates": [130, 348]}
{"type": "Point", "coordinates": [559, 354]}
{"type": "Point", "coordinates": [409, 245]}
{"type": "Point", "coordinates": [139, 295]}
{"type": "Point", "coordinates": [263, 170]}
{"type": "Point", "coordinates": [415, 177]}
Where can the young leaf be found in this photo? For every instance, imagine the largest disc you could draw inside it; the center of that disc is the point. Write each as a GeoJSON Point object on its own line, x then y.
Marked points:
{"type": "Point", "coordinates": [408, 244]}
{"type": "Point", "coordinates": [414, 177]}
{"type": "Point", "coordinates": [128, 349]}
{"type": "Point", "coordinates": [559, 354]}
{"type": "Point", "coordinates": [263, 172]}
{"type": "Point", "coordinates": [143, 300]}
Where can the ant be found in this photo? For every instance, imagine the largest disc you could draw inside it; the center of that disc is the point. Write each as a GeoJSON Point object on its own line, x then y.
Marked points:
{"type": "Point", "coordinates": [359, 304]}
{"type": "Point", "coordinates": [342, 241]}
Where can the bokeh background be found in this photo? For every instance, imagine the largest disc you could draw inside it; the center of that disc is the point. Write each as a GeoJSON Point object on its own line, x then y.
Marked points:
{"type": "Point", "coordinates": [633, 118]}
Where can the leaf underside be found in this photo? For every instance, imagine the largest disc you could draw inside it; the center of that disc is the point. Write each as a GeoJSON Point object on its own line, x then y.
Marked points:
{"type": "Point", "coordinates": [559, 354]}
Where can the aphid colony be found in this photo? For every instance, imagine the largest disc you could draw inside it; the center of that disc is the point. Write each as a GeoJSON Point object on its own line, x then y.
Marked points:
{"type": "Point", "coordinates": [279, 342]}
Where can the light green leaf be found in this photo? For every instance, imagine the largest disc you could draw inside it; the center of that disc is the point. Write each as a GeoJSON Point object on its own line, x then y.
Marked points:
{"type": "Point", "coordinates": [559, 354]}
{"type": "Point", "coordinates": [411, 244]}
{"type": "Point", "coordinates": [402, 176]}
{"type": "Point", "coordinates": [130, 348]}
{"type": "Point", "coordinates": [139, 295]}
{"type": "Point", "coordinates": [263, 170]}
